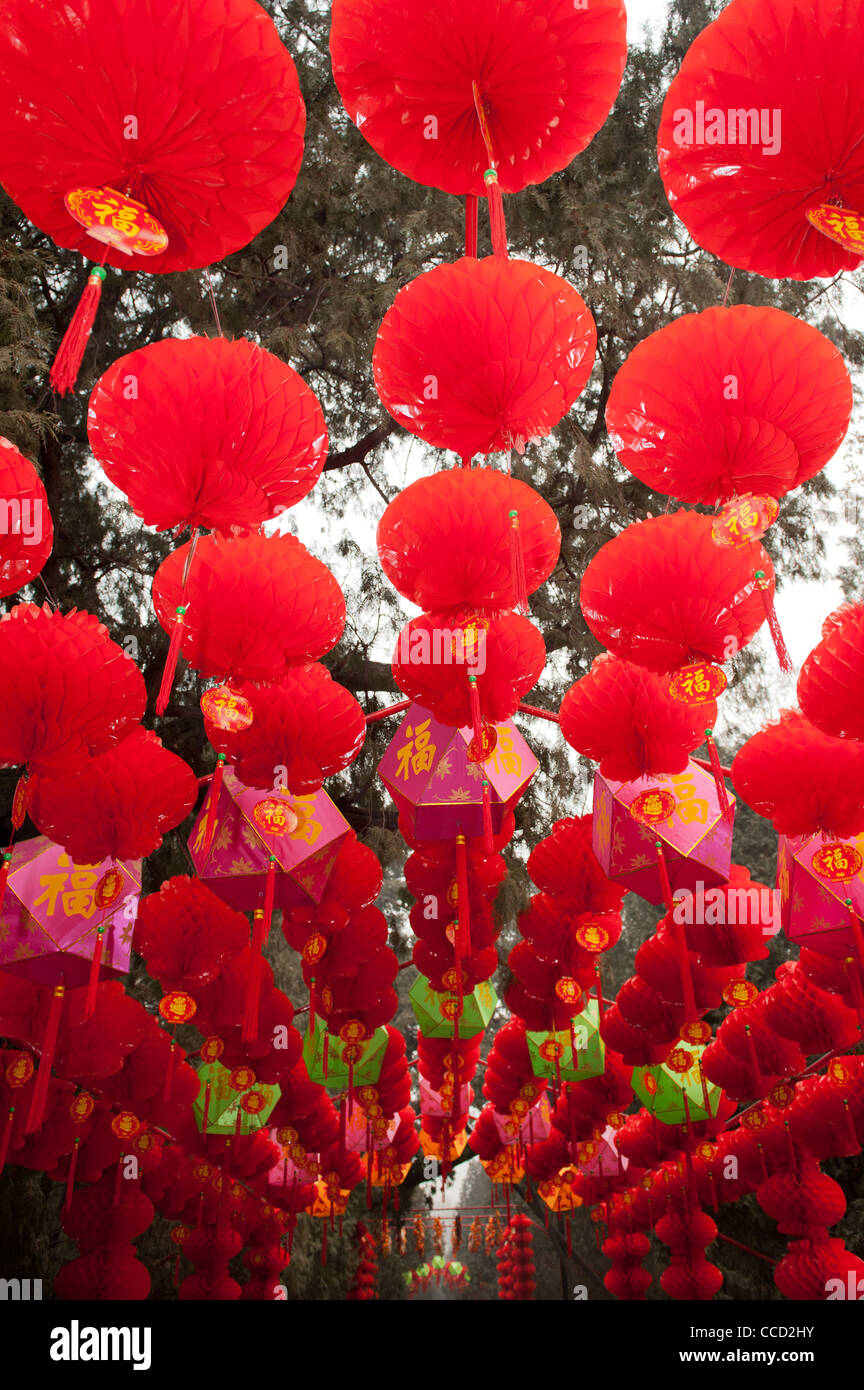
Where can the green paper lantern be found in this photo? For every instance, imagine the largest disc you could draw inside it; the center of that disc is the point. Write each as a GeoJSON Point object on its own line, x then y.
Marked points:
{"type": "Point", "coordinates": [677, 1094]}
{"type": "Point", "coordinates": [225, 1103]}
{"type": "Point", "coordinates": [590, 1056]}
{"type": "Point", "coordinates": [338, 1073]}
{"type": "Point", "coordinates": [434, 1011]}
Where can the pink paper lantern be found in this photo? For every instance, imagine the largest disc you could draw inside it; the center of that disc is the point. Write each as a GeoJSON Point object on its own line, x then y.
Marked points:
{"type": "Point", "coordinates": [235, 867]}
{"type": "Point", "coordinates": [816, 875]}
{"type": "Point", "coordinates": [438, 788]}
{"type": "Point", "coordinates": [50, 915]}
{"type": "Point", "coordinates": [696, 837]}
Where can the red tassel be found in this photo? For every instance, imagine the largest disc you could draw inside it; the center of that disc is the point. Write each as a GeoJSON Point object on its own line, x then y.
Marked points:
{"type": "Point", "coordinates": [665, 885]}
{"type": "Point", "coordinates": [73, 1166]}
{"type": "Point", "coordinates": [206, 1119]}
{"type": "Point", "coordinates": [253, 991]}
{"type": "Point", "coordinates": [476, 716]}
{"type": "Point", "coordinates": [717, 770]}
{"type": "Point", "coordinates": [852, 970]}
{"type": "Point", "coordinates": [46, 1061]}
{"type": "Point", "coordinates": [310, 1028]}
{"type": "Point", "coordinates": [471, 224]}
{"type": "Point", "coordinates": [488, 838]}
{"type": "Point", "coordinates": [464, 929]}
{"type": "Point", "coordinates": [93, 981]}
{"type": "Point", "coordinates": [269, 895]}
{"type": "Point", "coordinates": [758, 1082]}
{"type": "Point", "coordinates": [857, 938]}
{"type": "Point", "coordinates": [598, 986]}
{"type": "Point", "coordinates": [518, 559]}
{"type": "Point", "coordinates": [770, 613]}
{"type": "Point", "coordinates": [171, 662]}
{"type": "Point", "coordinates": [67, 363]}
{"type": "Point", "coordinates": [497, 225]}
{"type": "Point", "coordinates": [169, 1072]}
{"type": "Point", "coordinates": [5, 1138]}
{"type": "Point", "coordinates": [686, 970]}
{"type": "Point", "coordinates": [212, 802]}
{"type": "Point", "coordinates": [4, 875]}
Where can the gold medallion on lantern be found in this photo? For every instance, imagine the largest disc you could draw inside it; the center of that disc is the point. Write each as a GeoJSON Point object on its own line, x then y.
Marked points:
{"type": "Point", "coordinates": [738, 993]}
{"type": "Point", "coordinates": [569, 991]}
{"type": "Point", "coordinates": [698, 684]}
{"type": "Point", "coordinates": [652, 806]}
{"type": "Point", "coordinates": [744, 519]}
{"type": "Point", "coordinates": [212, 1049]}
{"type": "Point", "coordinates": [226, 709]}
{"type": "Point", "coordinates": [19, 1071]}
{"type": "Point", "coordinates": [82, 1107]}
{"type": "Point", "coordinates": [836, 861]}
{"type": "Point", "coordinates": [125, 1125]}
{"type": "Point", "coordinates": [177, 1006]}
{"type": "Point", "coordinates": [116, 220]}
{"type": "Point", "coordinates": [276, 816]}
{"type": "Point", "coordinates": [109, 888]}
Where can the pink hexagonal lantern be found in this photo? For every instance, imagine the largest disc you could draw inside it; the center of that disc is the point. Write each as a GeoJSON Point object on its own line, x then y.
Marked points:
{"type": "Point", "coordinates": [50, 915]}
{"type": "Point", "coordinates": [432, 1103]}
{"type": "Point", "coordinates": [816, 875]}
{"type": "Point", "coordinates": [438, 788]}
{"type": "Point", "coordinates": [235, 867]}
{"type": "Point", "coordinates": [530, 1128]}
{"type": "Point", "coordinates": [696, 836]}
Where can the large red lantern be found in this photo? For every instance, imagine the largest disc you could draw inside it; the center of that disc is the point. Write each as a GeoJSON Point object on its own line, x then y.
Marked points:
{"type": "Point", "coordinates": [206, 432]}
{"type": "Point", "coordinates": [257, 605]}
{"type": "Point", "coordinates": [117, 805]}
{"type": "Point", "coordinates": [755, 147]}
{"type": "Point", "coordinates": [66, 690]}
{"type": "Point", "coordinates": [448, 540]}
{"type": "Point", "coordinates": [730, 401]}
{"type": "Point", "coordinates": [26, 529]}
{"type": "Point", "coordinates": [437, 653]}
{"type": "Point", "coordinates": [830, 682]}
{"type": "Point", "coordinates": [482, 356]}
{"type": "Point", "coordinates": [802, 780]}
{"type": "Point", "coordinates": [545, 76]}
{"type": "Point", "coordinates": [624, 717]}
{"type": "Point", "coordinates": [664, 595]}
{"type": "Point", "coordinates": [167, 139]}
{"type": "Point", "coordinates": [303, 728]}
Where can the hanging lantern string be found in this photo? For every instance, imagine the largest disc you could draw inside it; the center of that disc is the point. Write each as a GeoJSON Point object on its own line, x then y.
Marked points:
{"type": "Point", "coordinates": [213, 304]}
{"type": "Point", "coordinates": [497, 225]}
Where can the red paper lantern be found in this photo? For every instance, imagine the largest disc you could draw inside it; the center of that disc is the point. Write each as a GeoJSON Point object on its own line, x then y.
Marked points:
{"type": "Point", "coordinates": [623, 716]}
{"type": "Point", "coordinates": [730, 401]}
{"type": "Point", "coordinates": [742, 183]}
{"type": "Point", "coordinates": [304, 727]}
{"type": "Point", "coordinates": [206, 432]}
{"type": "Point", "coordinates": [436, 652]}
{"type": "Point", "coordinates": [26, 529]}
{"type": "Point", "coordinates": [66, 690]}
{"type": "Point", "coordinates": [546, 76]}
{"type": "Point", "coordinates": [802, 780]}
{"type": "Point", "coordinates": [484, 355]}
{"type": "Point", "coordinates": [117, 805]}
{"type": "Point", "coordinates": [446, 541]}
{"type": "Point", "coordinates": [212, 147]}
{"type": "Point", "coordinates": [830, 683]}
{"type": "Point", "coordinates": [663, 594]}
{"type": "Point", "coordinates": [257, 605]}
